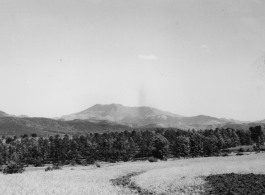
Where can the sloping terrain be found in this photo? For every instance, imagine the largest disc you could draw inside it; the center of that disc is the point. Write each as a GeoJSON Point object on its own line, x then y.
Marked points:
{"type": "Point", "coordinates": [113, 117]}
{"type": "Point", "coordinates": [84, 126]}
{"type": "Point", "coordinates": [202, 120]}
{"type": "Point", "coordinates": [3, 114]}
{"type": "Point", "coordinates": [45, 126]}
{"type": "Point", "coordinates": [142, 117]}
{"type": "Point", "coordinates": [145, 116]}
{"type": "Point", "coordinates": [261, 121]}
{"type": "Point", "coordinates": [16, 126]}
{"type": "Point", "coordinates": [158, 120]}
{"type": "Point", "coordinates": [117, 112]}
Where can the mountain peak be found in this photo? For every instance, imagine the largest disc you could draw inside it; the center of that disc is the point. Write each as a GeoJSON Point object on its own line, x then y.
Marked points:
{"type": "Point", "coordinates": [105, 105]}
{"type": "Point", "coordinates": [142, 116]}
{"type": "Point", "coordinates": [113, 104]}
{"type": "Point", "coordinates": [116, 112]}
{"type": "Point", "coordinates": [23, 116]}
{"type": "Point", "coordinates": [3, 114]}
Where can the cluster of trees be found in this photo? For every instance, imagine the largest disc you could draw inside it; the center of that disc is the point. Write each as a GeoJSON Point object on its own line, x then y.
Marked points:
{"type": "Point", "coordinates": [126, 145]}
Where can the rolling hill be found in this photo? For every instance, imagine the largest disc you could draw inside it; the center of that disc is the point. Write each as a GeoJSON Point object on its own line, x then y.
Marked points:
{"type": "Point", "coordinates": [113, 117]}
{"type": "Point", "coordinates": [3, 114]}
{"type": "Point", "coordinates": [46, 126]}
{"type": "Point", "coordinates": [144, 116]}
{"type": "Point", "coordinates": [116, 112]}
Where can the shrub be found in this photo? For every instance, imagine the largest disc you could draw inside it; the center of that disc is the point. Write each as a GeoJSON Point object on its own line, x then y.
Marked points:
{"type": "Point", "coordinates": [125, 159]}
{"type": "Point", "coordinates": [248, 150]}
{"type": "Point", "coordinates": [48, 169]}
{"type": "Point", "coordinates": [140, 159]}
{"type": "Point", "coordinates": [47, 162]}
{"type": "Point", "coordinates": [152, 159]}
{"type": "Point", "coordinates": [255, 148]}
{"type": "Point", "coordinates": [90, 161]}
{"type": "Point", "coordinates": [227, 151]}
{"type": "Point", "coordinates": [38, 163]}
{"type": "Point", "coordinates": [240, 154]}
{"type": "Point", "coordinates": [225, 154]}
{"type": "Point", "coordinates": [66, 162]}
{"type": "Point", "coordinates": [217, 154]}
{"type": "Point", "coordinates": [164, 159]}
{"type": "Point", "coordinates": [55, 166]}
{"type": "Point", "coordinates": [113, 161]}
{"type": "Point", "coordinates": [241, 150]}
{"type": "Point", "coordinates": [84, 163]}
{"type": "Point", "coordinates": [13, 167]}
{"type": "Point", "coordinates": [73, 163]}
{"type": "Point", "coordinates": [97, 165]}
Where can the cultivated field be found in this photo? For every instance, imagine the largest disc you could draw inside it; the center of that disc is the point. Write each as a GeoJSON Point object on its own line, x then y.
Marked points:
{"type": "Point", "coordinates": [164, 177]}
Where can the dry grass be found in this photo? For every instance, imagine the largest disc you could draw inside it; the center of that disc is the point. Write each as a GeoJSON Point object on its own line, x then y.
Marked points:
{"type": "Point", "coordinates": [171, 177]}
{"type": "Point", "coordinates": [184, 177]}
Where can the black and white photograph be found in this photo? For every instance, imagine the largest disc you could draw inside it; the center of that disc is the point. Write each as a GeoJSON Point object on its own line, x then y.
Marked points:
{"type": "Point", "coordinates": [132, 97]}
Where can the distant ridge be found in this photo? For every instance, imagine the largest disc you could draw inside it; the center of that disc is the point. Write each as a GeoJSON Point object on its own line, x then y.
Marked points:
{"type": "Point", "coordinates": [113, 118]}
{"type": "Point", "coordinates": [3, 114]}
{"type": "Point", "coordinates": [116, 112]}
{"type": "Point", "coordinates": [147, 116]}
{"type": "Point", "coordinates": [23, 116]}
{"type": "Point", "coordinates": [46, 126]}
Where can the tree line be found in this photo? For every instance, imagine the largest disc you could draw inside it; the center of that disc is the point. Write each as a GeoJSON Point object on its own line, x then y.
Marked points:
{"type": "Point", "coordinates": [124, 146]}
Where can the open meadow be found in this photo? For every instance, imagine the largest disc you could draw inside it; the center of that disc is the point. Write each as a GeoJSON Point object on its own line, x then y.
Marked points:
{"type": "Point", "coordinates": [174, 176]}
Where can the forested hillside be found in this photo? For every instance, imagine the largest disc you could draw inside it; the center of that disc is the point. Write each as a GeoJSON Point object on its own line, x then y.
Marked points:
{"type": "Point", "coordinates": [125, 145]}
{"type": "Point", "coordinates": [46, 126]}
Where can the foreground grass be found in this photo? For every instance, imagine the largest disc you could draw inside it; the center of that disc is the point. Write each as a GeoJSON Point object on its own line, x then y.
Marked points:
{"type": "Point", "coordinates": [185, 176]}
{"type": "Point", "coordinates": [170, 177]}
{"type": "Point", "coordinates": [79, 181]}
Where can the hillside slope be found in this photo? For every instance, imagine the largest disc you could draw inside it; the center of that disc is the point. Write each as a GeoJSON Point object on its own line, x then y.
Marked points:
{"type": "Point", "coordinates": [3, 114]}
{"type": "Point", "coordinates": [113, 117]}
{"type": "Point", "coordinates": [143, 116]}
{"type": "Point", "coordinates": [45, 126]}
{"type": "Point", "coordinates": [116, 112]}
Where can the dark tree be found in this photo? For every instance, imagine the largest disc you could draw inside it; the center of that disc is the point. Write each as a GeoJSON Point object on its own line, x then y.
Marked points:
{"type": "Point", "coordinates": [181, 146]}
{"type": "Point", "coordinates": [257, 135]}
{"type": "Point", "coordinates": [160, 147]}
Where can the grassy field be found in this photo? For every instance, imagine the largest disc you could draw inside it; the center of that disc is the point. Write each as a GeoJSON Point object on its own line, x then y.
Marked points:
{"type": "Point", "coordinates": [168, 177]}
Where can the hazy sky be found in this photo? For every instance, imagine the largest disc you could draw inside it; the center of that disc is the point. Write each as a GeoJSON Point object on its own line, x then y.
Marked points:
{"type": "Point", "coordinates": [195, 57]}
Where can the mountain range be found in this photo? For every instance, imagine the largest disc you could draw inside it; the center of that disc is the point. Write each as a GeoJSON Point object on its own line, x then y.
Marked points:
{"type": "Point", "coordinates": [113, 117]}
{"type": "Point", "coordinates": [3, 114]}
{"type": "Point", "coordinates": [147, 116]}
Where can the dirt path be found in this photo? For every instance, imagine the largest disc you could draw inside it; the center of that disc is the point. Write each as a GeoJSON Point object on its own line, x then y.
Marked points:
{"type": "Point", "coordinates": [125, 182]}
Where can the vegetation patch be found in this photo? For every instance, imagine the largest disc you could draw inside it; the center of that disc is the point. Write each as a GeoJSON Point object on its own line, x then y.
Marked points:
{"type": "Point", "coordinates": [55, 166]}
{"type": "Point", "coordinates": [240, 154]}
{"type": "Point", "coordinates": [152, 159]}
{"type": "Point", "coordinates": [13, 167]}
{"type": "Point", "coordinates": [125, 182]}
{"type": "Point", "coordinates": [235, 184]}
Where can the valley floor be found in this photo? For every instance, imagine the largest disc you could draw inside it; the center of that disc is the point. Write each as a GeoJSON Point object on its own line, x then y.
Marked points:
{"type": "Point", "coordinates": [165, 177]}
